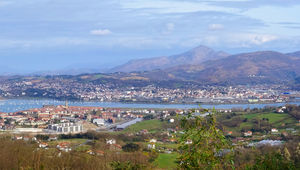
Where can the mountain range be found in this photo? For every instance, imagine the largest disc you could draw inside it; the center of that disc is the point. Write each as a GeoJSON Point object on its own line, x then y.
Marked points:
{"type": "Point", "coordinates": [203, 65]}
{"type": "Point", "coordinates": [194, 56]}
{"type": "Point", "coordinates": [256, 67]}
{"type": "Point", "coordinates": [206, 66]}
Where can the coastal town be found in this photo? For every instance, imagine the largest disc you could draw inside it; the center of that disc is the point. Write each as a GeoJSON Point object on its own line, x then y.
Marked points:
{"type": "Point", "coordinates": [64, 119]}
{"type": "Point", "coordinates": [62, 89]}
{"type": "Point", "coordinates": [49, 118]}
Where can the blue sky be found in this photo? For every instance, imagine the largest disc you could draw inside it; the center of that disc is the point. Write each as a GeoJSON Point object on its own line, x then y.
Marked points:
{"type": "Point", "coordinates": [56, 34]}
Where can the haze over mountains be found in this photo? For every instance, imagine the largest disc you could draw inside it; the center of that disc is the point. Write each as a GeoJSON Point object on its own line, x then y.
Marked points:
{"type": "Point", "coordinates": [266, 66]}
{"type": "Point", "coordinates": [295, 54]}
{"type": "Point", "coordinates": [194, 56]}
{"type": "Point", "coordinates": [203, 65]}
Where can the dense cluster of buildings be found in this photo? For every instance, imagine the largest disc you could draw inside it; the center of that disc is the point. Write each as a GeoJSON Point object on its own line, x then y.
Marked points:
{"type": "Point", "coordinates": [60, 88]}
{"type": "Point", "coordinates": [73, 119]}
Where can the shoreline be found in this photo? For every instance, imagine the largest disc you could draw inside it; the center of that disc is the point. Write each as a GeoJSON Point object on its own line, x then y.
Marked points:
{"type": "Point", "coordinates": [152, 103]}
{"type": "Point", "coordinates": [16, 105]}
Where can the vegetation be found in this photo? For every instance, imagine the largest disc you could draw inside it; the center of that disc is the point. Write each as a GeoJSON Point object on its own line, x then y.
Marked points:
{"type": "Point", "coordinates": [166, 161]}
{"type": "Point", "coordinates": [294, 111]}
{"type": "Point", "coordinates": [151, 125]}
{"type": "Point", "coordinates": [131, 147]}
{"type": "Point", "coordinates": [203, 145]}
{"type": "Point", "coordinates": [126, 166]}
{"type": "Point", "coordinates": [197, 143]}
{"type": "Point", "coordinates": [261, 121]}
{"type": "Point", "coordinates": [25, 155]}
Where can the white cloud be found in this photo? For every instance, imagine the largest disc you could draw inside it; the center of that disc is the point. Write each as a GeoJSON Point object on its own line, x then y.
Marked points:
{"type": "Point", "coordinates": [171, 6]}
{"type": "Point", "coordinates": [100, 32]}
{"type": "Point", "coordinates": [238, 40]}
{"type": "Point", "coordinates": [214, 27]}
{"type": "Point", "coordinates": [256, 39]}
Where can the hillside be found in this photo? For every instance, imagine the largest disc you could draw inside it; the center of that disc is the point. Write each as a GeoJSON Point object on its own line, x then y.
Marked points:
{"type": "Point", "coordinates": [194, 56]}
{"type": "Point", "coordinates": [247, 68]}
{"type": "Point", "coordinates": [256, 67]}
{"type": "Point", "coordinates": [263, 67]}
{"type": "Point", "coordinates": [294, 54]}
{"type": "Point", "coordinates": [205, 66]}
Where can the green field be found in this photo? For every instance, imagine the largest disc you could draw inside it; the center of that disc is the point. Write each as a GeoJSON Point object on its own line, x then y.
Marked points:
{"type": "Point", "coordinates": [71, 141]}
{"type": "Point", "coordinates": [151, 125]}
{"type": "Point", "coordinates": [273, 117]}
{"type": "Point", "coordinates": [83, 148]}
{"type": "Point", "coordinates": [277, 120]}
{"type": "Point", "coordinates": [166, 161]}
{"type": "Point", "coordinates": [247, 121]}
{"type": "Point", "coordinates": [168, 145]}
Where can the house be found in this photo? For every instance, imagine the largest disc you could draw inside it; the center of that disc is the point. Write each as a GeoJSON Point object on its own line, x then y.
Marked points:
{"type": "Point", "coordinates": [274, 130]}
{"type": "Point", "coordinates": [172, 140]}
{"type": "Point", "coordinates": [100, 153]}
{"type": "Point", "coordinates": [188, 142]}
{"type": "Point", "coordinates": [249, 133]}
{"type": "Point", "coordinates": [52, 138]}
{"type": "Point", "coordinates": [18, 137]}
{"type": "Point", "coordinates": [151, 146]}
{"type": "Point", "coordinates": [171, 120]}
{"type": "Point", "coordinates": [99, 122]}
{"type": "Point", "coordinates": [153, 141]}
{"type": "Point", "coordinates": [43, 145]}
{"type": "Point", "coordinates": [110, 141]}
{"type": "Point", "coordinates": [279, 110]}
{"type": "Point", "coordinates": [90, 152]}
{"type": "Point", "coordinates": [64, 146]}
{"type": "Point", "coordinates": [115, 147]}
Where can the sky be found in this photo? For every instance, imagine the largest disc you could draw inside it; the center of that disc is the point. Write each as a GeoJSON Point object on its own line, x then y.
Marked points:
{"type": "Point", "coordinates": [42, 35]}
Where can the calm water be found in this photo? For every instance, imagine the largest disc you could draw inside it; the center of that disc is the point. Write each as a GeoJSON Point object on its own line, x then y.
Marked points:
{"type": "Point", "coordinates": [14, 105]}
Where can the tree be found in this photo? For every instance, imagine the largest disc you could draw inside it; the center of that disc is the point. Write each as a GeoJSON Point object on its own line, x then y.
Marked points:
{"type": "Point", "coordinates": [203, 145]}
{"type": "Point", "coordinates": [131, 147]}
{"type": "Point", "coordinates": [148, 117]}
{"type": "Point", "coordinates": [275, 161]}
{"type": "Point", "coordinates": [116, 165]}
{"type": "Point", "coordinates": [286, 154]}
{"type": "Point", "coordinates": [42, 137]}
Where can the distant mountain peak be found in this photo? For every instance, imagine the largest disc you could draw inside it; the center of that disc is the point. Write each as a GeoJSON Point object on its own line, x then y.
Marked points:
{"type": "Point", "coordinates": [201, 48]}
{"type": "Point", "coordinates": [196, 55]}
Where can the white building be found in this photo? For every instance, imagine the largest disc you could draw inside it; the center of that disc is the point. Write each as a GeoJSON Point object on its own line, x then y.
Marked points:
{"type": "Point", "coordinates": [110, 141]}
{"type": "Point", "coordinates": [43, 145]}
{"type": "Point", "coordinates": [66, 128]}
{"type": "Point", "coordinates": [99, 122]}
{"type": "Point", "coordinates": [249, 133]}
{"type": "Point", "coordinates": [151, 146]}
{"type": "Point", "coordinates": [274, 130]}
{"type": "Point", "coordinates": [153, 141]}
